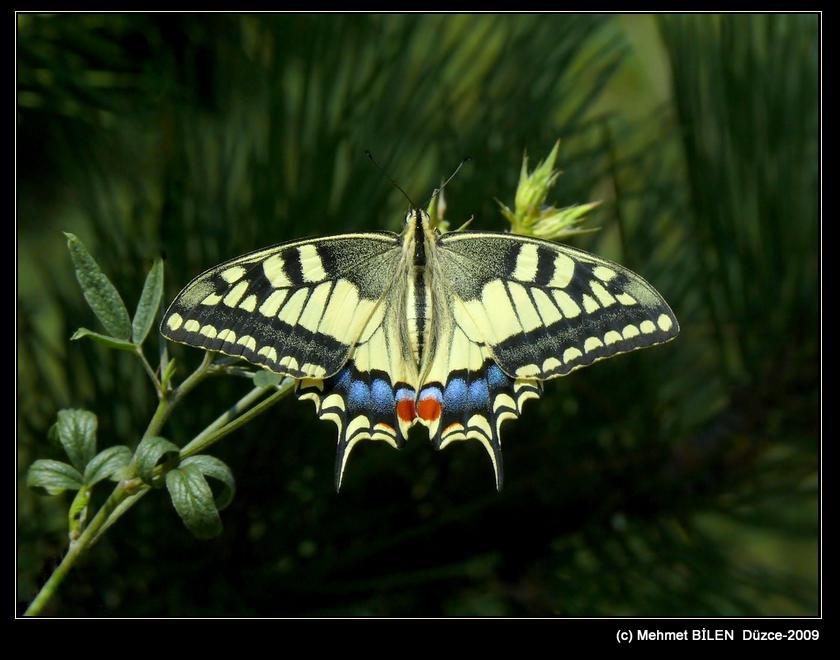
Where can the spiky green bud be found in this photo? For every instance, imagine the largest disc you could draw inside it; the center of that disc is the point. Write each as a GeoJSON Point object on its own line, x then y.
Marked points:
{"type": "Point", "coordinates": [530, 216]}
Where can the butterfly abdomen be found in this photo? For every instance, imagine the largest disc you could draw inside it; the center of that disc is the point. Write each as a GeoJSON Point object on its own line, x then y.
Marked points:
{"type": "Point", "coordinates": [418, 305]}
{"type": "Point", "coordinates": [418, 311]}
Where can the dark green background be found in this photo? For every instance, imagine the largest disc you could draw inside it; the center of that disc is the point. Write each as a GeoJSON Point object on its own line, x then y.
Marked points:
{"type": "Point", "coordinates": [681, 480]}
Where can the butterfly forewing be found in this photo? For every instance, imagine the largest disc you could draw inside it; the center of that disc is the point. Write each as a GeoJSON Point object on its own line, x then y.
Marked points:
{"type": "Point", "coordinates": [545, 309]}
{"type": "Point", "coordinates": [297, 308]}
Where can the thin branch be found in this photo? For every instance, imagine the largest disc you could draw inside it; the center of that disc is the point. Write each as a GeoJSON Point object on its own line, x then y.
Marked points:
{"type": "Point", "coordinates": [193, 379]}
{"type": "Point", "coordinates": [202, 441]}
{"type": "Point", "coordinates": [74, 551]}
{"type": "Point", "coordinates": [150, 371]}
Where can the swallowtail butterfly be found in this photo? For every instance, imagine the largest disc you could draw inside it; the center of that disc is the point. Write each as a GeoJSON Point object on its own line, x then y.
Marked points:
{"type": "Point", "coordinates": [453, 331]}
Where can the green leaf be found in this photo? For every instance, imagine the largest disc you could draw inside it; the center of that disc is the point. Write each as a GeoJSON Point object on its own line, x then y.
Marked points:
{"type": "Point", "coordinates": [210, 466]}
{"type": "Point", "coordinates": [77, 434]}
{"type": "Point", "coordinates": [100, 294]}
{"type": "Point", "coordinates": [193, 500]}
{"type": "Point", "coordinates": [107, 464]}
{"type": "Point", "coordinates": [110, 342]}
{"type": "Point", "coordinates": [148, 304]}
{"type": "Point", "coordinates": [54, 476]}
{"type": "Point", "coordinates": [265, 378]}
{"type": "Point", "coordinates": [149, 454]}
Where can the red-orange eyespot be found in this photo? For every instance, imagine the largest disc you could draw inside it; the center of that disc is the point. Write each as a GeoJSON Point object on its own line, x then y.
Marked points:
{"type": "Point", "coordinates": [428, 409]}
{"type": "Point", "coordinates": [405, 410]}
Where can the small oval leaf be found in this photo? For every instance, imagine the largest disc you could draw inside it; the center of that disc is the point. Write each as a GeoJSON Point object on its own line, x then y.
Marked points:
{"type": "Point", "coordinates": [193, 500]}
{"type": "Point", "coordinates": [100, 293]}
{"type": "Point", "coordinates": [210, 466]}
{"type": "Point", "coordinates": [105, 340]}
{"type": "Point", "coordinates": [54, 476]}
{"type": "Point", "coordinates": [148, 304]}
{"type": "Point", "coordinates": [265, 378]}
{"type": "Point", "coordinates": [106, 464]}
{"type": "Point", "coordinates": [77, 433]}
{"type": "Point", "coordinates": [149, 454]}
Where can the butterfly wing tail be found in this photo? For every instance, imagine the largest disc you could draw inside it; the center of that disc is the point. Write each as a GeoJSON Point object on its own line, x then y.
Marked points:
{"type": "Point", "coordinates": [473, 406]}
{"type": "Point", "coordinates": [363, 407]}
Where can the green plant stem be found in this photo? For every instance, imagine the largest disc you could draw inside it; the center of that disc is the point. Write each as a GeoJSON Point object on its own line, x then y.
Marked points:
{"type": "Point", "coordinates": [167, 403]}
{"type": "Point", "coordinates": [121, 500]}
{"type": "Point", "coordinates": [150, 371]}
{"type": "Point", "coordinates": [230, 414]}
{"type": "Point", "coordinates": [129, 501]}
{"type": "Point", "coordinates": [193, 379]}
{"type": "Point", "coordinates": [75, 550]}
{"type": "Point", "coordinates": [208, 437]}
{"type": "Point", "coordinates": [164, 408]}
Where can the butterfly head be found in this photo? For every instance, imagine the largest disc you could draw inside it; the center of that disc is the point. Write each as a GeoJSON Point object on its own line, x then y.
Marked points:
{"type": "Point", "coordinates": [417, 231]}
{"type": "Point", "coordinates": [417, 222]}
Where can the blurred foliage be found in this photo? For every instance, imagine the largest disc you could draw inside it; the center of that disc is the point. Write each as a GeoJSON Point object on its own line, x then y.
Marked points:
{"type": "Point", "coordinates": [678, 481]}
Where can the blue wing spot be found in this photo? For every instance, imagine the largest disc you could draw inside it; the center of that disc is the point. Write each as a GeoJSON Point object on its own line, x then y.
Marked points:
{"type": "Point", "coordinates": [343, 379]}
{"type": "Point", "coordinates": [359, 395]}
{"type": "Point", "coordinates": [479, 394]}
{"type": "Point", "coordinates": [382, 396]}
{"type": "Point", "coordinates": [455, 395]}
{"type": "Point", "coordinates": [496, 378]}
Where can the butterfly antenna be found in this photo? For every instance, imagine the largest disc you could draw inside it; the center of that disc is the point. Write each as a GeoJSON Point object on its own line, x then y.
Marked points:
{"type": "Point", "coordinates": [387, 176]}
{"type": "Point", "coordinates": [437, 191]}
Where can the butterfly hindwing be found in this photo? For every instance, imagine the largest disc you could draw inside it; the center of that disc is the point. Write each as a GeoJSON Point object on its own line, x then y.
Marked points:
{"type": "Point", "coordinates": [467, 396]}
{"type": "Point", "coordinates": [472, 405]}
{"type": "Point", "coordinates": [545, 309]}
{"type": "Point", "coordinates": [371, 397]}
{"type": "Point", "coordinates": [362, 404]}
{"type": "Point", "coordinates": [296, 308]}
